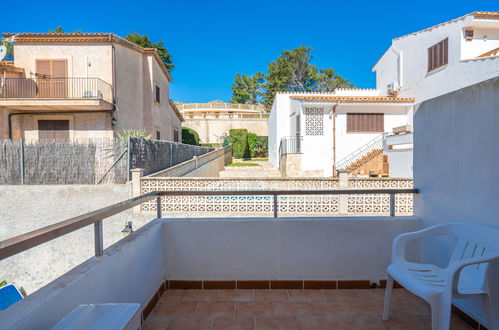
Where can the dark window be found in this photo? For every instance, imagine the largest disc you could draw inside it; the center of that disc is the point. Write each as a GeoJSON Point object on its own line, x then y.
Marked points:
{"type": "Point", "coordinates": [158, 96]}
{"type": "Point", "coordinates": [158, 135]}
{"type": "Point", "coordinates": [438, 55]}
{"type": "Point", "coordinates": [53, 130]}
{"type": "Point", "coordinates": [175, 135]}
{"type": "Point", "coordinates": [365, 122]}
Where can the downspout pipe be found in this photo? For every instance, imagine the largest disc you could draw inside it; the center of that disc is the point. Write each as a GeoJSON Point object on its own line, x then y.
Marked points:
{"type": "Point", "coordinates": [400, 69]}
{"type": "Point", "coordinates": [334, 138]}
{"type": "Point", "coordinates": [50, 113]}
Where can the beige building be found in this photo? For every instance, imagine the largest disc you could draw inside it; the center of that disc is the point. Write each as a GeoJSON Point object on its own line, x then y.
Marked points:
{"type": "Point", "coordinates": [214, 119]}
{"type": "Point", "coordinates": [84, 86]}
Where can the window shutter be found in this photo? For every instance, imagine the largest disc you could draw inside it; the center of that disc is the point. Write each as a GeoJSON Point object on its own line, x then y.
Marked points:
{"type": "Point", "coordinates": [43, 67]}
{"type": "Point", "coordinates": [59, 69]}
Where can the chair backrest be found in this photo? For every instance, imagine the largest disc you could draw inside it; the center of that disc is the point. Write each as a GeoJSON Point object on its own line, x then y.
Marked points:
{"type": "Point", "coordinates": [473, 241]}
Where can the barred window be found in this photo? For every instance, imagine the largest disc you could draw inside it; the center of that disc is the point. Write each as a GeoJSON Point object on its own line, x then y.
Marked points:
{"type": "Point", "coordinates": [314, 121]}
{"type": "Point", "coordinates": [438, 55]}
{"type": "Point", "coordinates": [365, 122]}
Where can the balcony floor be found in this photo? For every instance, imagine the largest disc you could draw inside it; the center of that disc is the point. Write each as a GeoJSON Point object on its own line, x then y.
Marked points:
{"type": "Point", "coordinates": [290, 309]}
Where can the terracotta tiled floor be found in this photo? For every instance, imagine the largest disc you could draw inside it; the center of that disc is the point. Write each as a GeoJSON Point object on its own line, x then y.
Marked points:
{"type": "Point", "coordinates": [289, 309]}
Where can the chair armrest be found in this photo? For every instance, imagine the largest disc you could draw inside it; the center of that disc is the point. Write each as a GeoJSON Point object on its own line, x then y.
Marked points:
{"type": "Point", "coordinates": [399, 243]}
{"type": "Point", "coordinates": [454, 269]}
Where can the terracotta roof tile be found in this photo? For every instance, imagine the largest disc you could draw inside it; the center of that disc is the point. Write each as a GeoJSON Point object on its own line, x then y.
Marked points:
{"type": "Point", "coordinates": [356, 99]}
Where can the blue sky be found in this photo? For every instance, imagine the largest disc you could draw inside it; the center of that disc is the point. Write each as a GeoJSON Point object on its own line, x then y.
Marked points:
{"type": "Point", "coordinates": [212, 40]}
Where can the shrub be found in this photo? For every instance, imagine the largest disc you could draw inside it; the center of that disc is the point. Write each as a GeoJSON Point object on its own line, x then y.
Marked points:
{"type": "Point", "coordinates": [190, 136]}
{"type": "Point", "coordinates": [239, 140]}
{"type": "Point", "coordinates": [261, 148]}
{"type": "Point", "coordinates": [251, 146]}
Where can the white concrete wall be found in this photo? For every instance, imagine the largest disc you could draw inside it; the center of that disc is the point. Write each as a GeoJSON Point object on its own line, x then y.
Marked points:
{"type": "Point", "coordinates": [346, 143]}
{"type": "Point", "coordinates": [279, 125]}
{"type": "Point", "coordinates": [456, 162]}
{"type": "Point", "coordinates": [283, 249]}
{"type": "Point", "coordinates": [417, 82]}
{"type": "Point", "coordinates": [129, 272]}
{"type": "Point", "coordinates": [400, 160]}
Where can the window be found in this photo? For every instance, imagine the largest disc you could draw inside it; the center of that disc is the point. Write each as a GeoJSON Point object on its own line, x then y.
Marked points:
{"type": "Point", "coordinates": [175, 135]}
{"type": "Point", "coordinates": [158, 96]}
{"type": "Point", "coordinates": [314, 121]}
{"type": "Point", "coordinates": [51, 78]}
{"type": "Point", "coordinates": [158, 135]}
{"type": "Point", "coordinates": [53, 130]}
{"type": "Point", "coordinates": [365, 123]}
{"type": "Point", "coordinates": [438, 55]}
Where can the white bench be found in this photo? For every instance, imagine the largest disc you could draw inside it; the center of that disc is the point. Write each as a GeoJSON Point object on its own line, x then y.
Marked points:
{"type": "Point", "coordinates": [102, 316]}
{"type": "Point", "coordinates": [469, 271]}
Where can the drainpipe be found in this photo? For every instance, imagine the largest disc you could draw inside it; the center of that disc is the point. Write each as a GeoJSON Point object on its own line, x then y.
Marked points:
{"type": "Point", "coordinates": [334, 138]}
{"type": "Point", "coordinates": [50, 113]}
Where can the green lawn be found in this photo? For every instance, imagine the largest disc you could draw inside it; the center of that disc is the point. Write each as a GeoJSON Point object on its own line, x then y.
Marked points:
{"type": "Point", "coordinates": [242, 164]}
{"type": "Point", "coordinates": [256, 160]}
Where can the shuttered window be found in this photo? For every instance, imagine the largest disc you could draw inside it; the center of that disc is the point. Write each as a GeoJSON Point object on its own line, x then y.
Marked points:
{"type": "Point", "coordinates": [51, 78]}
{"type": "Point", "coordinates": [53, 130]}
{"type": "Point", "coordinates": [175, 135]}
{"type": "Point", "coordinates": [158, 95]}
{"type": "Point", "coordinates": [438, 55]}
{"type": "Point", "coordinates": [365, 123]}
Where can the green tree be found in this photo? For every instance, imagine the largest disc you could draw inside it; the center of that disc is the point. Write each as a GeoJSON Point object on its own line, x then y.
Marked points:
{"type": "Point", "coordinates": [144, 41]}
{"type": "Point", "coordinates": [60, 29]}
{"type": "Point", "coordinates": [292, 71]}
{"type": "Point", "coordinates": [247, 89]}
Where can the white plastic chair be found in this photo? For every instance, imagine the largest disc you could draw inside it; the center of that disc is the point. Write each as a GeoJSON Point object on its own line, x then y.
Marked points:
{"type": "Point", "coordinates": [470, 271]}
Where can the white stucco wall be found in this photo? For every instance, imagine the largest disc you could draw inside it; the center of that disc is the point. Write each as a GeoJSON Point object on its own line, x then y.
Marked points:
{"type": "Point", "coordinates": [456, 162]}
{"type": "Point", "coordinates": [282, 249]}
{"type": "Point", "coordinates": [400, 157]}
{"type": "Point", "coordinates": [279, 125]}
{"type": "Point", "coordinates": [129, 272]}
{"type": "Point", "coordinates": [460, 72]}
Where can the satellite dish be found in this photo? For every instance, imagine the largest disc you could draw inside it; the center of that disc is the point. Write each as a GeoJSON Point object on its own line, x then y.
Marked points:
{"type": "Point", "coordinates": [3, 52]}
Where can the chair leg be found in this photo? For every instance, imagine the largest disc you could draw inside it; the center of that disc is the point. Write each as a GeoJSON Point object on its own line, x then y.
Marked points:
{"type": "Point", "coordinates": [492, 318]}
{"type": "Point", "coordinates": [440, 313]}
{"type": "Point", "coordinates": [388, 296]}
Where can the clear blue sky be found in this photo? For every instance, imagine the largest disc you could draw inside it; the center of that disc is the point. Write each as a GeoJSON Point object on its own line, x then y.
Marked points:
{"type": "Point", "coordinates": [212, 40]}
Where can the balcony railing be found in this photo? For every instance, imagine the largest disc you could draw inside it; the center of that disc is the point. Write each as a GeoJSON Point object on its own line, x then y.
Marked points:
{"type": "Point", "coordinates": [55, 88]}
{"type": "Point", "coordinates": [29, 240]}
{"type": "Point", "coordinates": [290, 145]}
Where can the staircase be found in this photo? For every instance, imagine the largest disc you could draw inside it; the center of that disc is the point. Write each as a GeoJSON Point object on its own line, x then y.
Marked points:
{"type": "Point", "coordinates": [371, 151]}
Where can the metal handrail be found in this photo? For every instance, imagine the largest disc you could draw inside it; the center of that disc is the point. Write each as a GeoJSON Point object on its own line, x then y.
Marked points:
{"type": "Point", "coordinates": [290, 145]}
{"type": "Point", "coordinates": [31, 239]}
{"type": "Point", "coordinates": [360, 152]}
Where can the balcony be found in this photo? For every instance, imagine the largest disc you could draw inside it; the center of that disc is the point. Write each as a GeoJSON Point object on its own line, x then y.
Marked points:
{"type": "Point", "coordinates": [55, 94]}
{"type": "Point", "coordinates": [220, 273]}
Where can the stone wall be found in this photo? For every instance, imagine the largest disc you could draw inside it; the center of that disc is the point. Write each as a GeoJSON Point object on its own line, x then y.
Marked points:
{"type": "Point", "coordinates": [211, 130]}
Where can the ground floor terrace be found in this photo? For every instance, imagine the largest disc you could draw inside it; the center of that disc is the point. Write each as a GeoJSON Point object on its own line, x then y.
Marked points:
{"type": "Point", "coordinates": [288, 308]}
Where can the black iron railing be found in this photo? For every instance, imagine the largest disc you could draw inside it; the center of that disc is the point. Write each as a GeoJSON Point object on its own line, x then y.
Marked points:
{"type": "Point", "coordinates": [290, 145]}
{"type": "Point", "coordinates": [55, 88]}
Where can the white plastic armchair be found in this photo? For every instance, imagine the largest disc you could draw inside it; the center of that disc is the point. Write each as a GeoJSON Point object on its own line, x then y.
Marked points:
{"type": "Point", "coordinates": [472, 270]}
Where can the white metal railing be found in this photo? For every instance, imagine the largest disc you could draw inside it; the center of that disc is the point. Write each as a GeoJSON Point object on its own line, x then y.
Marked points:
{"type": "Point", "coordinates": [190, 165]}
{"type": "Point", "coordinates": [374, 144]}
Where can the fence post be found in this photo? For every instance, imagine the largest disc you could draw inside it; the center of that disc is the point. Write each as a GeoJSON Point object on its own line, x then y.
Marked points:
{"type": "Point", "coordinates": [275, 206]}
{"type": "Point", "coordinates": [129, 161]}
{"type": "Point", "coordinates": [137, 173]}
{"type": "Point", "coordinates": [392, 204]}
{"type": "Point", "coordinates": [21, 161]}
{"type": "Point", "coordinates": [158, 208]}
{"type": "Point", "coordinates": [195, 160]}
{"type": "Point", "coordinates": [98, 239]}
{"type": "Point", "coordinates": [343, 184]}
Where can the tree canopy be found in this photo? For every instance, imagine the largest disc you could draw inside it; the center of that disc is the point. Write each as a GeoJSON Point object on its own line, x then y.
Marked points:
{"type": "Point", "coordinates": [144, 41]}
{"type": "Point", "coordinates": [292, 71]}
{"type": "Point", "coordinates": [59, 29]}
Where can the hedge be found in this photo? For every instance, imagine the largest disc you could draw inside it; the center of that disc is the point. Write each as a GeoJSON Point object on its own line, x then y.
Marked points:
{"type": "Point", "coordinates": [190, 136]}
{"type": "Point", "coordinates": [248, 145]}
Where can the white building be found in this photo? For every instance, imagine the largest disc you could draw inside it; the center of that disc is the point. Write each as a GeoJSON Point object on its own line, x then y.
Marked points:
{"type": "Point", "coordinates": [322, 129]}
{"type": "Point", "coordinates": [442, 58]}
{"type": "Point", "coordinates": [417, 67]}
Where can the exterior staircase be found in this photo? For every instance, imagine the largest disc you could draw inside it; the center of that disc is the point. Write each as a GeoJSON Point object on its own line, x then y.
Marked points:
{"type": "Point", "coordinates": [367, 159]}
